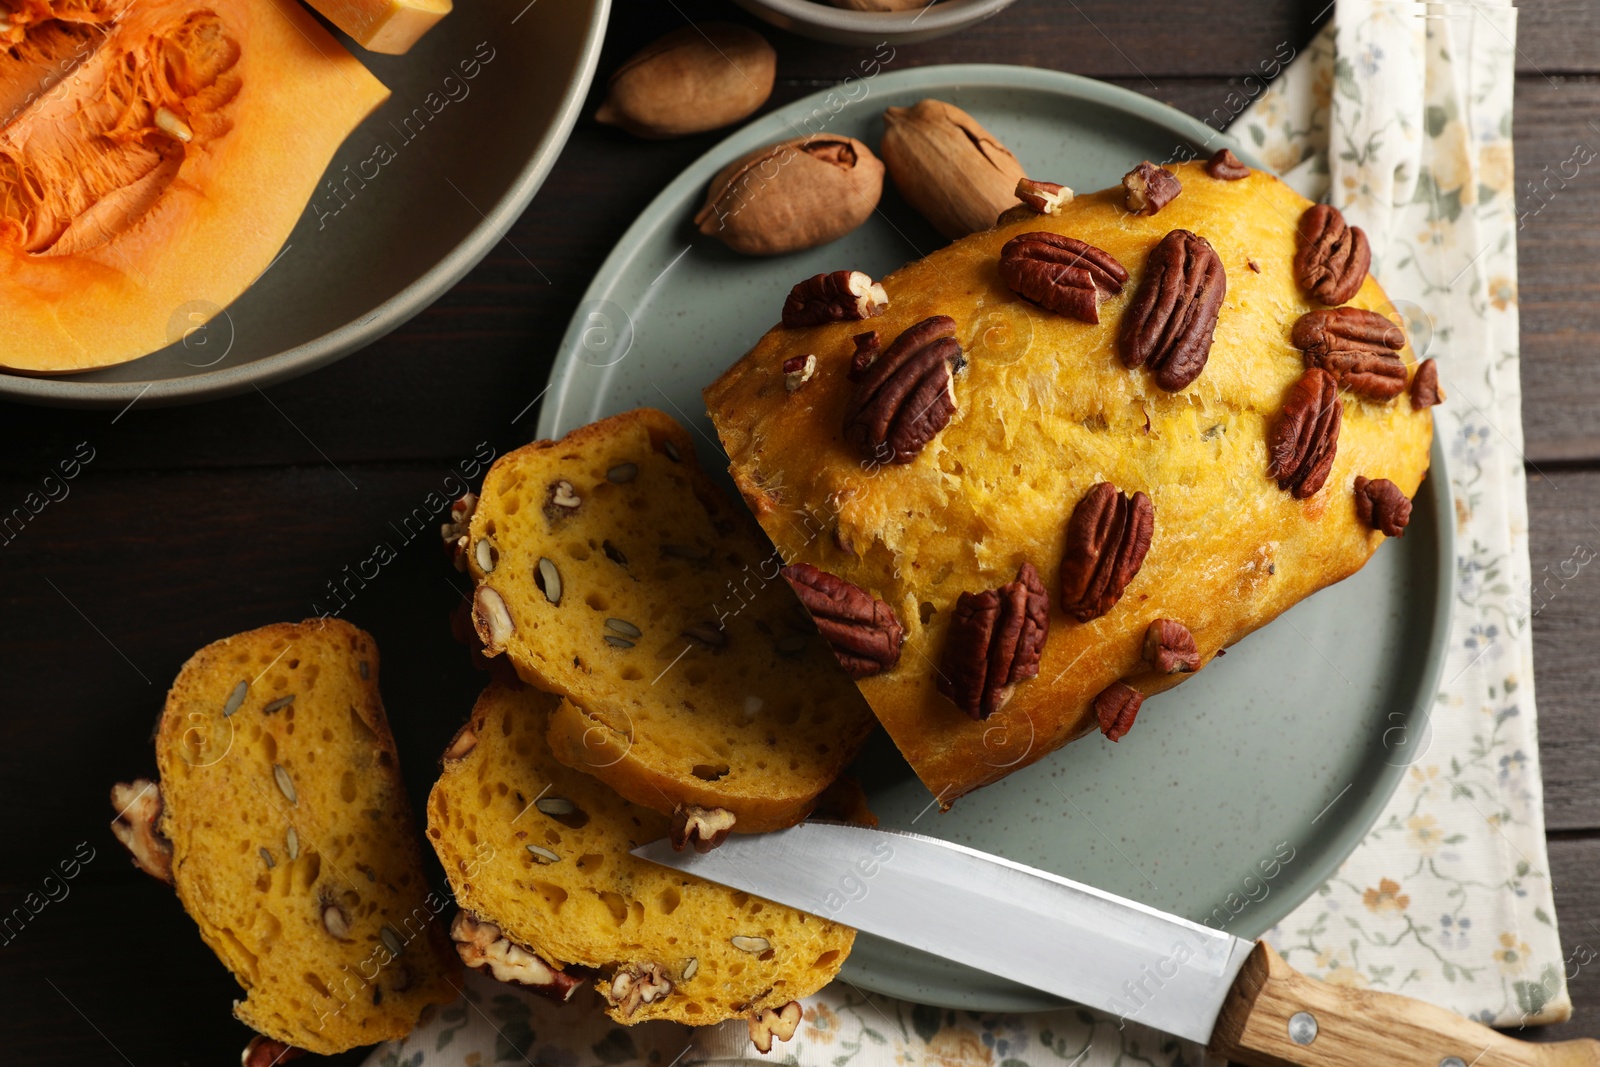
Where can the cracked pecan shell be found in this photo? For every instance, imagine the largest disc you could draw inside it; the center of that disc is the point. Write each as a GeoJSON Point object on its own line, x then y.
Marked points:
{"type": "Point", "coordinates": [863, 631]}
{"type": "Point", "coordinates": [1357, 347]}
{"type": "Point", "coordinates": [1425, 391]}
{"type": "Point", "coordinates": [1303, 440]}
{"type": "Point", "coordinates": [1173, 316]}
{"type": "Point", "coordinates": [995, 641]}
{"type": "Point", "coordinates": [1107, 538]}
{"type": "Point", "coordinates": [842, 296]}
{"type": "Point", "coordinates": [1334, 256]}
{"type": "Point", "coordinates": [1061, 274]}
{"type": "Point", "coordinates": [1116, 707]}
{"type": "Point", "coordinates": [907, 395]}
{"type": "Point", "coordinates": [1381, 505]}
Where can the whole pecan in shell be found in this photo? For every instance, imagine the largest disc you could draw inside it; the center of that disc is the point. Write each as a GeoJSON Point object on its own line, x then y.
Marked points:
{"type": "Point", "coordinates": [1061, 274]}
{"type": "Point", "coordinates": [908, 394]}
{"type": "Point", "coordinates": [1334, 256]}
{"type": "Point", "coordinates": [1381, 505]}
{"type": "Point", "coordinates": [1116, 707]}
{"type": "Point", "coordinates": [995, 641]}
{"type": "Point", "coordinates": [841, 296]}
{"type": "Point", "coordinates": [1301, 444]}
{"type": "Point", "coordinates": [864, 632]}
{"type": "Point", "coordinates": [1357, 347]}
{"type": "Point", "coordinates": [1169, 647]}
{"type": "Point", "coordinates": [1173, 316]}
{"type": "Point", "coordinates": [1107, 538]}
{"type": "Point", "coordinates": [1226, 166]}
{"type": "Point", "coordinates": [1425, 391]}
{"type": "Point", "coordinates": [1149, 188]}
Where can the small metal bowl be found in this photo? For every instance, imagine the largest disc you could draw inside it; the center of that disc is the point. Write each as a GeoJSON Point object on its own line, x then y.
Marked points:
{"type": "Point", "coordinates": [822, 21]}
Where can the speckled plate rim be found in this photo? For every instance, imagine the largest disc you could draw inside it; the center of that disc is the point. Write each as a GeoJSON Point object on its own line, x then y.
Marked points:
{"type": "Point", "coordinates": [824, 22]}
{"type": "Point", "coordinates": [679, 199]}
{"type": "Point", "coordinates": [387, 316]}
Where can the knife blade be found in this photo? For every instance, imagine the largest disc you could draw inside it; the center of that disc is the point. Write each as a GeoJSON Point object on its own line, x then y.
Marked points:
{"type": "Point", "coordinates": [1100, 950]}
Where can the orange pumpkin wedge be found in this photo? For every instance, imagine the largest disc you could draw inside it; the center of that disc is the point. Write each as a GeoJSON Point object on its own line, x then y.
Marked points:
{"type": "Point", "coordinates": [154, 157]}
{"type": "Point", "coordinates": [390, 26]}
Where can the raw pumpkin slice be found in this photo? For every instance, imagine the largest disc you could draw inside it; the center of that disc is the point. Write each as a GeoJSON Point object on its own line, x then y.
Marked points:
{"type": "Point", "coordinates": [154, 156]}
{"type": "Point", "coordinates": [390, 26]}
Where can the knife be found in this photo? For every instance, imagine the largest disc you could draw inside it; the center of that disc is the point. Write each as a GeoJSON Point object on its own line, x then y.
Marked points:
{"type": "Point", "coordinates": [1083, 944]}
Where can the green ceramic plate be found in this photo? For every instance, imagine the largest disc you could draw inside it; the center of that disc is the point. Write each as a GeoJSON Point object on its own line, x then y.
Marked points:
{"type": "Point", "coordinates": [1246, 786]}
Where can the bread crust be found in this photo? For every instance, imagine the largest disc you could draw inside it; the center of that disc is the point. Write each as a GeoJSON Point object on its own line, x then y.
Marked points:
{"type": "Point", "coordinates": [1046, 410]}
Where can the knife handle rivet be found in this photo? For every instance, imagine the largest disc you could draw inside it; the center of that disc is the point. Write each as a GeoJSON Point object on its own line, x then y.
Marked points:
{"type": "Point", "coordinates": [1452, 1061]}
{"type": "Point", "coordinates": [1303, 1030]}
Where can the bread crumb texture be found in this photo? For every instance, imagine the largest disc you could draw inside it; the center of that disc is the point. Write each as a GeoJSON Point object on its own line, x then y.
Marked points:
{"type": "Point", "coordinates": [542, 851]}
{"type": "Point", "coordinates": [1045, 410]}
{"type": "Point", "coordinates": [632, 588]}
{"type": "Point", "coordinates": [294, 847]}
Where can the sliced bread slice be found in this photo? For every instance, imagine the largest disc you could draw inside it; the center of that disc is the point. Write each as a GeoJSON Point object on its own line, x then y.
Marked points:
{"type": "Point", "coordinates": [281, 820]}
{"type": "Point", "coordinates": [611, 571]}
{"type": "Point", "coordinates": [538, 856]}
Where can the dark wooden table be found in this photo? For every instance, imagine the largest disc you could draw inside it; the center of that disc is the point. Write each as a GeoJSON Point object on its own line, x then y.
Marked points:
{"type": "Point", "coordinates": [193, 523]}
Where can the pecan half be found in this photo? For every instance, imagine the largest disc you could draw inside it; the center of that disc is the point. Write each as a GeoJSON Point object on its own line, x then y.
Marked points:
{"type": "Point", "coordinates": [797, 371]}
{"type": "Point", "coordinates": [1425, 391]}
{"type": "Point", "coordinates": [1381, 505]}
{"type": "Point", "coordinates": [1107, 538]}
{"type": "Point", "coordinates": [1334, 256]}
{"type": "Point", "coordinates": [1116, 707]}
{"type": "Point", "coordinates": [868, 349]}
{"type": "Point", "coordinates": [1173, 316]}
{"type": "Point", "coordinates": [138, 826]}
{"type": "Point", "coordinates": [1169, 647]}
{"type": "Point", "coordinates": [908, 394]}
{"type": "Point", "coordinates": [264, 1051]}
{"type": "Point", "coordinates": [1226, 166]}
{"type": "Point", "coordinates": [995, 641]}
{"type": "Point", "coordinates": [1357, 347]}
{"type": "Point", "coordinates": [482, 946]}
{"type": "Point", "coordinates": [1150, 188]}
{"type": "Point", "coordinates": [704, 828]}
{"type": "Point", "coordinates": [771, 1024]}
{"type": "Point", "coordinates": [1043, 198]}
{"type": "Point", "coordinates": [864, 631]}
{"type": "Point", "coordinates": [455, 532]}
{"type": "Point", "coordinates": [1061, 274]}
{"type": "Point", "coordinates": [1301, 444]}
{"type": "Point", "coordinates": [634, 984]}
{"type": "Point", "coordinates": [842, 296]}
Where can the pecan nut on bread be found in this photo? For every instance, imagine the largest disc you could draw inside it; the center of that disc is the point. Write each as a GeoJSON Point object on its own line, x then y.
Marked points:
{"type": "Point", "coordinates": [281, 820]}
{"type": "Point", "coordinates": [538, 856]}
{"type": "Point", "coordinates": [1068, 429]}
{"type": "Point", "coordinates": [611, 571]}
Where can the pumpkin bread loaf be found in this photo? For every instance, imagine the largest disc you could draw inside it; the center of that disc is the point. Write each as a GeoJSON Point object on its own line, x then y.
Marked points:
{"type": "Point", "coordinates": [611, 571]}
{"type": "Point", "coordinates": [281, 820]}
{"type": "Point", "coordinates": [538, 857]}
{"type": "Point", "coordinates": [1078, 455]}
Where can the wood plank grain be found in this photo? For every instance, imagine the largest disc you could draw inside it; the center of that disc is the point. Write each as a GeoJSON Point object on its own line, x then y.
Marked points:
{"type": "Point", "coordinates": [1573, 864]}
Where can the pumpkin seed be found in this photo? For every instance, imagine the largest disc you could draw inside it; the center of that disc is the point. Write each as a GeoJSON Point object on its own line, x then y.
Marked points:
{"type": "Point", "coordinates": [622, 473]}
{"type": "Point", "coordinates": [548, 579]}
{"type": "Point", "coordinates": [756, 945]}
{"type": "Point", "coordinates": [267, 858]}
{"type": "Point", "coordinates": [671, 450]}
{"type": "Point", "coordinates": [623, 627]}
{"type": "Point", "coordinates": [618, 642]}
{"type": "Point", "coordinates": [485, 554]}
{"type": "Point", "coordinates": [555, 806]}
{"type": "Point", "coordinates": [691, 968]}
{"type": "Point", "coordinates": [285, 784]}
{"type": "Point", "coordinates": [292, 840]}
{"type": "Point", "coordinates": [235, 699]}
{"type": "Point", "coordinates": [391, 940]}
{"type": "Point", "coordinates": [278, 705]}
{"type": "Point", "coordinates": [707, 633]}
{"type": "Point", "coordinates": [168, 122]}
{"type": "Point", "coordinates": [334, 921]}
{"type": "Point", "coordinates": [543, 855]}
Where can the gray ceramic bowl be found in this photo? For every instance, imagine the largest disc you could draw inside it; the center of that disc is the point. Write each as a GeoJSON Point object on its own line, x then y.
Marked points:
{"type": "Point", "coordinates": [824, 22]}
{"type": "Point", "coordinates": [349, 274]}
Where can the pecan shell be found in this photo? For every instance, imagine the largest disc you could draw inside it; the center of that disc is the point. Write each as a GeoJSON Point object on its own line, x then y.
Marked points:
{"type": "Point", "coordinates": [1425, 391]}
{"type": "Point", "coordinates": [843, 296]}
{"type": "Point", "coordinates": [1381, 505]}
{"type": "Point", "coordinates": [1357, 347]}
{"type": "Point", "coordinates": [996, 639]}
{"type": "Point", "coordinates": [1150, 188]}
{"type": "Point", "coordinates": [1116, 707]}
{"type": "Point", "coordinates": [1169, 647]}
{"type": "Point", "coordinates": [1107, 538]}
{"type": "Point", "coordinates": [1301, 444]}
{"type": "Point", "coordinates": [1334, 256]}
{"type": "Point", "coordinates": [908, 394]}
{"type": "Point", "coordinates": [1061, 274]}
{"type": "Point", "coordinates": [864, 632]}
{"type": "Point", "coordinates": [1226, 166]}
{"type": "Point", "coordinates": [1173, 316]}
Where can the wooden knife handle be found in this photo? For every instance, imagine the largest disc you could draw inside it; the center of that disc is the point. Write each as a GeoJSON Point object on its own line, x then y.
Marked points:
{"type": "Point", "coordinates": [1361, 1027]}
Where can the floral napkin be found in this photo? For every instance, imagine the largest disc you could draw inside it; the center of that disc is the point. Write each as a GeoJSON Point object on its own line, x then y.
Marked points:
{"type": "Point", "coordinates": [1399, 113]}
